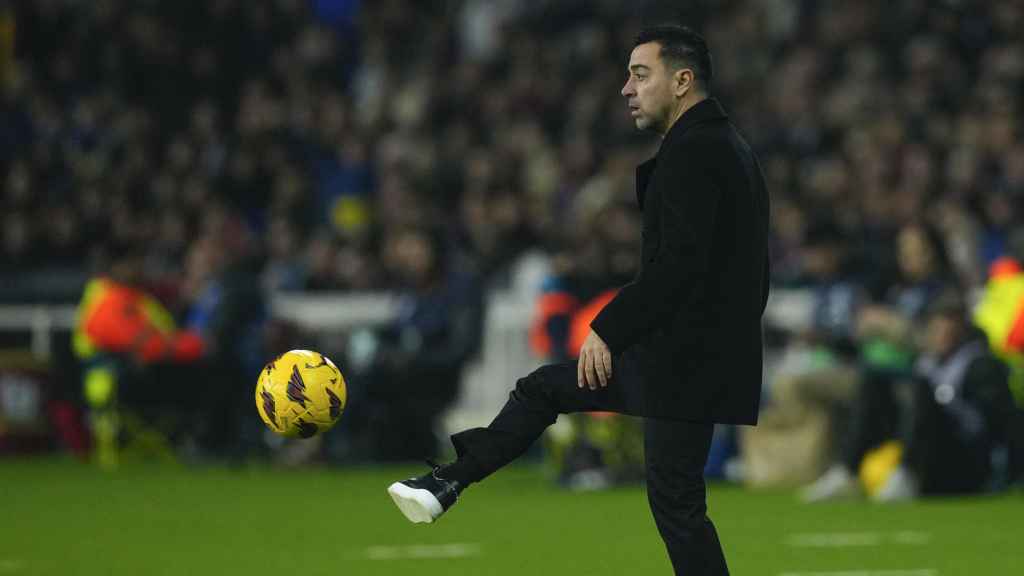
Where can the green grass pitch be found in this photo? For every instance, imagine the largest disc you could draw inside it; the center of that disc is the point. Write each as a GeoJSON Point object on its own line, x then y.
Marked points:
{"type": "Point", "coordinates": [63, 518]}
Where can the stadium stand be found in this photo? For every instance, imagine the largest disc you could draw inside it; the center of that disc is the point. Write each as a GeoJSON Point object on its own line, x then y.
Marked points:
{"type": "Point", "coordinates": [305, 136]}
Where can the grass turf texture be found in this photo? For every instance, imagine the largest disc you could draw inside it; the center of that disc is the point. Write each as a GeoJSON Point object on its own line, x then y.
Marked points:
{"type": "Point", "coordinates": [64, 518]}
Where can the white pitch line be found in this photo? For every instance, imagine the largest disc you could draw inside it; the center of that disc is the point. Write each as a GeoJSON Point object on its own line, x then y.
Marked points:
{"type": "Point", "coordinates": [834, 540]}
{"type": "Point", "coordinates": [911, 572]}
{"type": "Point", "coordinates": [454, 550]}
{"type": "Point", "coordinates": [912, 538]}
{"type": "Point", "coordinates": [857, 539]}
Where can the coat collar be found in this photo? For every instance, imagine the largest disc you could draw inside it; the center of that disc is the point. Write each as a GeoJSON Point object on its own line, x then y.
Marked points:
{"type": "Point", "coordinates": [703, 111]}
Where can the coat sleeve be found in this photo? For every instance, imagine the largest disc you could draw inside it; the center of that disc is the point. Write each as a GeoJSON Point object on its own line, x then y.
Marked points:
{"type": "Point", "coordinates": [689, 201]}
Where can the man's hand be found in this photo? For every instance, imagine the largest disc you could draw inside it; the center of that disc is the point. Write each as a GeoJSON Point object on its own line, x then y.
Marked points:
{"type": "Point", "coordinates": [595, 363]}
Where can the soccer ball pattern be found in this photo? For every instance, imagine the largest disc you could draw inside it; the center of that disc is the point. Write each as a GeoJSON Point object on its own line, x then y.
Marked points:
{"type": "Point", "coordinates": [300, 394]}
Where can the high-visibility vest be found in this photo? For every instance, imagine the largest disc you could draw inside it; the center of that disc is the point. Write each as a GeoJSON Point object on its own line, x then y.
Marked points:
{"type": "Point", "coordinates": [115, 318]}
{"type": "Point", "coordinates": [1000, 314]}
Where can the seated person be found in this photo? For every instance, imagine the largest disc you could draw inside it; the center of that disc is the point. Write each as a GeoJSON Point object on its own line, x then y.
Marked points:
{"type": "Point", "coordinates": [949, 415]}
{"type": "Point", "coordinates": [818, 371]}
{"type": "Point", "coordinates": [413, 367]}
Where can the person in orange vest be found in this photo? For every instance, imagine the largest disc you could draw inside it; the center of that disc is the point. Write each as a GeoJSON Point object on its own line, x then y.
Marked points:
{"type": "Point", "coordinates": [118, 326]}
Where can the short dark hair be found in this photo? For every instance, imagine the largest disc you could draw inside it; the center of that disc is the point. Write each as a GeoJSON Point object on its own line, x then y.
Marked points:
{"type": "Point", "coordinates": [681, 47]}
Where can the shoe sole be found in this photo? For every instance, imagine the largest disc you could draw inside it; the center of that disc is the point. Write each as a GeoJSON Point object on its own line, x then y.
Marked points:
{"type": "Point", "coordinates": [417, 504]}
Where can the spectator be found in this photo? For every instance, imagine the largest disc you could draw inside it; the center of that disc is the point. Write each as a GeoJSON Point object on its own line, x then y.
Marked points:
{"type": "Point", "coordinates": [111, 110]}
{"type": "Point", "coordinates": [226, 308]}
{"type": "Point", "coordinates": [818, 371]}
{"type": "Point", "coordinates": [416, 362]}
{"type": "Point", "coordinates": [956, 416]}
{"type": "Point", "coordinates": [885, 328]}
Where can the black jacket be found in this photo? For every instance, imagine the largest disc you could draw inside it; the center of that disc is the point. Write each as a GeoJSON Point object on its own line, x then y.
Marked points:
{"type": "Point", "coordinates": [691, 319]}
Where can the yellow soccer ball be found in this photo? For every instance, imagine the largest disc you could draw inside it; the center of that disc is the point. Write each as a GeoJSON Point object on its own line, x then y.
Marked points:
{"type": "Point", "coordinates": [300, 394]}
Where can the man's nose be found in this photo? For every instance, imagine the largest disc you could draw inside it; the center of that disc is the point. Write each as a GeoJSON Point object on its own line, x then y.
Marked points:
{"type": "Point", "coordinates": [627, 89]}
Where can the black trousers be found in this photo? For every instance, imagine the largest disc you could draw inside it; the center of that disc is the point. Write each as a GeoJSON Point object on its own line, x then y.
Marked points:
{"type": "Point", "coordinates": [890, 406]}
{"type": "Point", "coordinates": [675, 452]}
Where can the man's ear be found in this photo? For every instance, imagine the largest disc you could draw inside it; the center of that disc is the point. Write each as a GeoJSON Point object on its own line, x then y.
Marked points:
{"type": "Point", "coordinates": [684, 81]}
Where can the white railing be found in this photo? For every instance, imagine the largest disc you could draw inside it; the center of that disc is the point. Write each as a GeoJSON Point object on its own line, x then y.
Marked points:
{"type": "Point", "coordinates": [39, 321]}
{"type": "Point", "coordinates": [315, 312]}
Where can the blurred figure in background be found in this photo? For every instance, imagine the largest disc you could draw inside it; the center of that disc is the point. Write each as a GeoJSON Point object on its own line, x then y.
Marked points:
{"type": "Point", "coordinates": [589, 450]}
{"type": "Point", "coordinates": [818, 372]}
{"type": "Point", "coordinates": [120, 329]}
{"type": "Point", "coordinates": [226, 307]}
{"type": "Point", "coordinates": [413, 366]}
{"type": "Point", "coordinates": [598, 258]}
{"type": "Point", "coordinates": [949, 416]}
{"type": "Point", "coordinates": [819, 367]}
{"type": "Point", "coordinates": [1000, 313]}
{"type": "Point", "coordinates": [885, 329]}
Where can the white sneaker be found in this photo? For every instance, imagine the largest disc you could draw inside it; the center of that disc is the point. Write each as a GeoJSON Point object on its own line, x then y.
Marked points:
{"type": "Point", "coordinates": [425, 498]}
{"type": "Point", "coordinates": [901, 486]}
{"type": "Point", "coordinates": [836, 483]}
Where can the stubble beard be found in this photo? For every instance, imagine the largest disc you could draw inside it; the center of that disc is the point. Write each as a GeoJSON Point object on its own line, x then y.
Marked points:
{"type": "Point", "coordinates": [643, 122]}
{"type": "Point", "coordinates": [648, 124]}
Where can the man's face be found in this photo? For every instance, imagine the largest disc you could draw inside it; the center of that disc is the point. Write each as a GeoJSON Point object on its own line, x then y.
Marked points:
{"type": "Point", "coordinates": [942, 334]}
{"type": "Point", "coordinates": [650, 88]}
{"type": "Point", "coordinates": [413, 257]}
{"type": "Point", "coordinates": [822, 261]}
{"type": "Point", "coordinates": [916, 258]}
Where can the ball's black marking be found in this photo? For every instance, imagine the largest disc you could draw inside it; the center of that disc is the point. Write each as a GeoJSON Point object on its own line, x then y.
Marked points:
{"type": "Point", "coordinates": [335, 404]}
{"type": "Point", "coordinates": [306, 429]}
{"type": "Point", "coordinates": [269, 406]}
{"type": "Point", "coordinates": [297, 387]}
{"type": "Point", "coordinates": [272, 365]}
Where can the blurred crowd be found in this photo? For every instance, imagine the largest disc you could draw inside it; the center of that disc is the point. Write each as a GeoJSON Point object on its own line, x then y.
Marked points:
{"type": "Point", "coordinates": [310, 136]}
{"type": "Point", "coordinates": [326, 126]}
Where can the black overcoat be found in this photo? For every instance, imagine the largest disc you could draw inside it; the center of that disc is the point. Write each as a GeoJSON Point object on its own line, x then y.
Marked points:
{"type": "Point", "coordinates": [690, 322]}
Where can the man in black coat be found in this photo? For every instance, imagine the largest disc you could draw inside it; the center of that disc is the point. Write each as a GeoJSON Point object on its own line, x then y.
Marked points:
{"type": "Point", "coordinates": [681, 345]}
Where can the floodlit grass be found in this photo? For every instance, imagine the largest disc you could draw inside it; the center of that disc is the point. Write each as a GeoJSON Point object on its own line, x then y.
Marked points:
{"type": "Point", "coordinates": [64, 518]}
